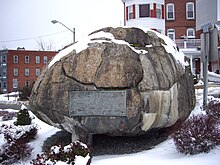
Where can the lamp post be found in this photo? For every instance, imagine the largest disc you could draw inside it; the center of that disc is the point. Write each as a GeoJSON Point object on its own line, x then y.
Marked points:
{"type": "Point", "coordinates": [73, 31]}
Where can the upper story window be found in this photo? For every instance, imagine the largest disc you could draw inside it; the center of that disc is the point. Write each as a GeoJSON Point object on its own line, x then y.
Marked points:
{"type": "Point", "coordinates": [27, 83]}
{"type": "Point", "coordinates": [171, 34]}
{"type": "Point", "coordinates": [4, 84]}
{"type": "Point", "coordinates": [15, 59]}
{"type": "Point", "coordinates": [45, 59]}
{"type": "Point", "coordinates": [190, 10]}
{"type": "Point", "coordinates": [27, 72]}
{"type": "Point", "coordinates": [26, 59]}
{"type": "Point", "coordinates": [170, 11]}
{"type": "Point", "coordinates": [37, 59]}
{"type": "Point", "coordinates": [37, 71]}
{"type": "Point", "coordinates": [131, 14]}
{"type": "Point", "coordinates": [15, 83]}
{"type": "Point", "coordinates": [15, 72]}
{"type": "Point", "coordinates": [4, 72]}
{"type": "Point", "coordinates": [144, 10]}
{"type": "Point", "coordinates": [4, 59]}
{"type": "Point", "coordinates": [159, 11]}
{"type": "Point", "coordinates": [190, 33]}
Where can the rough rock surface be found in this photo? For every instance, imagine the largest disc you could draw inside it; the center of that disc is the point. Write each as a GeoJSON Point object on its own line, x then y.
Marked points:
{"type": "Point", "coordinates": [159, 89]}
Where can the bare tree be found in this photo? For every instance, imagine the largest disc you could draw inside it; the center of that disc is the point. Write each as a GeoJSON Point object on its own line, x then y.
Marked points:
{"type": "Point", "coordinates": [4, 47]}
{"type": "Point", "coordinates": [45, 45]}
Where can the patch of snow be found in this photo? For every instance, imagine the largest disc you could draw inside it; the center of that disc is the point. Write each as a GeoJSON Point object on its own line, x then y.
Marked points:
{"type": "Point", "coordinates": [213, 77]}
{"type": "Point", "coordinates": [199, 83]}
{"type": "Point", "coordinates": [78, 47]}
{"type": "Point", "coordinates": [172, 48]}
{"type": "Point", "coordinates": [81, 160]}
{"type": "Point", "coordinates": [23, 107]}
{"type": "Point", "coordinates": [55, 149]}
{"type": "Point", "coordinates": [170, 45]}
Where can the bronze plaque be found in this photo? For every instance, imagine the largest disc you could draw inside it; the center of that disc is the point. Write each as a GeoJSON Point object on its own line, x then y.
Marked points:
{"type": "Point", "coordinates": [97, 103]}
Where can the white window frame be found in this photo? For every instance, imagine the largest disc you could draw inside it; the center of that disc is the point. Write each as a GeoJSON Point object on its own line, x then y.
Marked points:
{"type": "Point", "coordinates": [159, 11]}
{"type": "Point", "coordinates": [130, 12]}
{"type": "Point", "coordinates": [171, 32]}
{"type": "Point", "coordinates": [15, 72]}
{"type": "Point", "coordinates": [173, 11]}
{"type": "Point", "coordinates": [37, 59]}
{"type": "Point", "coordinates": [4, 72]}
{"type": "Point", "coordinates": [15, 59]}
{"type": "Point", "coordinates": [27, 72]}
{"type": "Point", "coordinates": [15, 83]}
{"type": "Point", "coordinates": [187, 10]}
{"type": "Point", "coordinates": [45, 59]}
{"type": "Point", "coordinates": [26, 59]}
{"type": "Point", "coordinates": [190, 30]}
{"type": "Point", "coordinates": [37, 71]}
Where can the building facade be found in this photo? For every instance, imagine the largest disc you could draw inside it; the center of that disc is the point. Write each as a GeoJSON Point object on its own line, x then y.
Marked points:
{"type": "Point", "coordinates": [174, 18]}
{"type": "Point", "coordinates": [20, 68]}
{"type": "Point", "coordinates": [181, 28]}
{"type": "Point", "coordinates": [149, 14]}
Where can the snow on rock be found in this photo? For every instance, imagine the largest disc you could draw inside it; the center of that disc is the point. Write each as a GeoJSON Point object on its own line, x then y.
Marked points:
{"type": "Point", "coordinates": [83, 44]}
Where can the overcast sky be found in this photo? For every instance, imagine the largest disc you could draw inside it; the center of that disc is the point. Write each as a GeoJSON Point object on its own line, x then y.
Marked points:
{"type": "Point", "coordinates": [25, 21]}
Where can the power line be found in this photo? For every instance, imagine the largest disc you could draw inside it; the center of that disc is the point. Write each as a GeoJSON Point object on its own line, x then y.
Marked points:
{"type": "Point", "coordinates": [22, 39]}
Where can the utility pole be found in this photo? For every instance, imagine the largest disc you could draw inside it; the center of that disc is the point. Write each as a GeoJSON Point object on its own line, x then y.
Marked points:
{"type": "Point", "coordinates": [206, 29]}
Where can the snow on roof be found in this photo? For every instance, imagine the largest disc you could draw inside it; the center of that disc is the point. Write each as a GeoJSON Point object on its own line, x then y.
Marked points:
{"type": "Point", "coordinates": [83, 44]}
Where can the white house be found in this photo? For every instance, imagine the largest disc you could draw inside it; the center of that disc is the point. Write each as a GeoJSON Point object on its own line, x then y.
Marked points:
{"type": "Point", "coordinates": [148, 14]}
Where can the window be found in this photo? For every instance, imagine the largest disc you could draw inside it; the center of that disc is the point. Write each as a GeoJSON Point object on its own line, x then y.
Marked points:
{"type": "Point", "coordinates": [27, 83]}
{"type": "Point", "coordinates": [159, 11]}
{"type": "Point", "coordinates": [190, 33]}
{"type": "Point", "coordinates": [130, 12]}
{"type": "Point", "coordinates": [4, 59]}
{"type": "Point", "coordinates": [144, 10]}
{"type": "Point", "coordinates": [15, 59]}
{"type": "Point", "coordinates": [4, 84]}
{"type": "Point", "coordinates": [4, 72]}
{"type": "Point", "coordinates": [26, 72]}
{"type": "Point", "coordinates": [37, 59]}
{"type": "Point", "coordinates": [190, 10]}
{"type": "Point", "coordinates": [37, 71]}
{"type": "Point", "coordinates": [15, 72]}
{"type": "Point", "coordinates": [170, 11]}
{"type": "Point", "coordinates": [171, 34]}
{"type": "Point", "coordinates": [45, 59]}
{"type": "Point", "coordinates": [15, 83]}
{"type": "Point", "coordinates": [27, 60]}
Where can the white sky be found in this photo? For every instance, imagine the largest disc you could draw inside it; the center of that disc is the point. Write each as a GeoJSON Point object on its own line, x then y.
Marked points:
{"type": "Point", "coordinates": [22, 19]}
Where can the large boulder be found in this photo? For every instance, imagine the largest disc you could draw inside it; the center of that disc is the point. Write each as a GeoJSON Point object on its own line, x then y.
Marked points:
{"type": "Point", "coordinates": [144, 65]}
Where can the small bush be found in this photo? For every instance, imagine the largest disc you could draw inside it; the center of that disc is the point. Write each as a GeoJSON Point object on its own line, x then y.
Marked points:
{"type": "Point", "coordinates": [16, 147]}
{"type": "Point", "coordinates": [7, 115]}
{"type": "Point", "coordinates": [65, 154]}
{"type": "Point", "coordinates": [20, 133]}
{"type": "Point", "coordinates": [23, 118]}
{"type": "Point", "coordinates": [14, 151]}
{"type": "Point", "coordinates": [213, 109]}
{"type": "Point", "coordinates": [196, 135]}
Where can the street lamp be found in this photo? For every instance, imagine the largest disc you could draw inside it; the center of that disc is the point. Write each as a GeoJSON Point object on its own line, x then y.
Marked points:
{"type": "Point", "coordinates": [73, 31]}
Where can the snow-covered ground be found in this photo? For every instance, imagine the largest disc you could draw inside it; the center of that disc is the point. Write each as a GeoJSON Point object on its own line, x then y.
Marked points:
{"type": "Point", "coordinates": [164, 153]}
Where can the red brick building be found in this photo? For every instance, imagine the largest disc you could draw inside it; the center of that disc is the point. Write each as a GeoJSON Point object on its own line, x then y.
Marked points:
{"type": "Point", "coordinates": [181, 18]}
{"type": "Point", "coordinates": [20, 68]}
